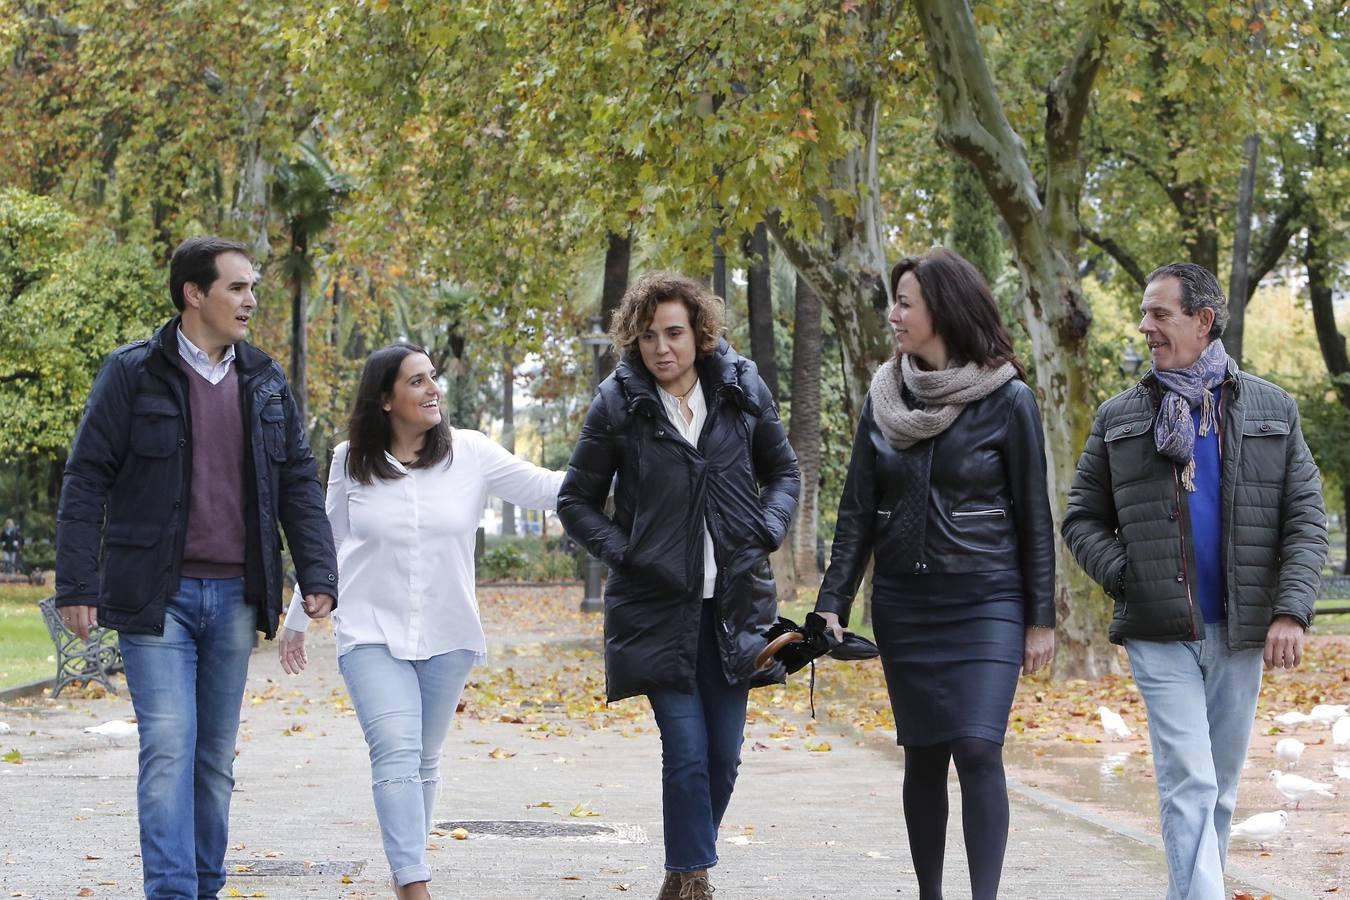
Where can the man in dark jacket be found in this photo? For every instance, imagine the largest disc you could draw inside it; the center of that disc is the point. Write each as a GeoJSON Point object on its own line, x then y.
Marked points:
{"type": "Point", "coordinates": [189, 453]}
{"type": "Point", "coordinates": [1198, 507]}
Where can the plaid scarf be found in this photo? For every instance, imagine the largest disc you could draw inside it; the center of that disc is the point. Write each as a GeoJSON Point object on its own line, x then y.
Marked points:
{"type": "Point", "coordinates": [1185, 389]}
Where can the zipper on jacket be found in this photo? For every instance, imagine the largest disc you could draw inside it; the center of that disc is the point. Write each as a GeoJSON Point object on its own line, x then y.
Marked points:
{"type": "Point", "coordinates": [1181, 537]}
{"type": "Point", "coordinates": [979, 514]}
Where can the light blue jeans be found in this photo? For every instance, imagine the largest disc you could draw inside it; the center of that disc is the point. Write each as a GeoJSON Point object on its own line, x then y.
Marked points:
{"type": "Point", "coordinates": [1201, 700]}
{"type": "Point", "coordinates": [186, 688]}
{"type": "Point", "coordinates": [405, 708]}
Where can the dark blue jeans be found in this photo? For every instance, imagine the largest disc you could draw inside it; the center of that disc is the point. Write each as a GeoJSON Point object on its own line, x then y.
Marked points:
{"type": "Point", "coordinates": [186, 687]}
{"type": "Point", "coordinates": [701, 736]}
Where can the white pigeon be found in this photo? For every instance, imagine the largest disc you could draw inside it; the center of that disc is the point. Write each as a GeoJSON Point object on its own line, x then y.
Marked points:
{"type": "Point", "coordinates": [4, 728]}
{"type": "Point", "coordinates": [114, 730]}
{"type": "Point", "coordinates": [1340, 732]}
{"type": "Point", "coordinates": [1288, 751]}
{"type": "Point", "coordinates": [1325, 714]}
{"type": "Point", "coordinates": [1296, 787]}
{"type": "Point", "coordinates": [1261, 827]}
{"type": "Point", "coordinates": [1291, 719]}
{"type": "Point", "coordinates": [1113, 724]}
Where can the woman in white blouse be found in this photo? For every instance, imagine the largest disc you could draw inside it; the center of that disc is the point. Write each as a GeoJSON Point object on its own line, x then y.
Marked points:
{"type": "Point", "coordinates": [404, 498]}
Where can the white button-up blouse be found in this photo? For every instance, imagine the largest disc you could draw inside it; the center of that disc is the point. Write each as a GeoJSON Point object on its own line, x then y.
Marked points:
{"type": "Point", "coordinates": [405, 547]}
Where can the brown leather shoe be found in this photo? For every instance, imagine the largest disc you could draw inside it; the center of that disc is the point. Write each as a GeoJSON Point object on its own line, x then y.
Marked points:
{"type": "Point", "coordinates": [696, 886]}
{"type": "Point", "coordinates": [670, 888]}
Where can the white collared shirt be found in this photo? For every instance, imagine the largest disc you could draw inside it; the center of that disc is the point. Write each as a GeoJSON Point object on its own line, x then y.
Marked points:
{"type": "Point", "coordinates": [690, 431]}
{"type": "Point", "coordinates": [405, 547]}
{"type": "Point", "coordinates": [201, 363]}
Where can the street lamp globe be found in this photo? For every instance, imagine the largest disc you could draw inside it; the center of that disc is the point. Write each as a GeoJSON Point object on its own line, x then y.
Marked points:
{"type": "Point", "coordinates": [1130, 360]}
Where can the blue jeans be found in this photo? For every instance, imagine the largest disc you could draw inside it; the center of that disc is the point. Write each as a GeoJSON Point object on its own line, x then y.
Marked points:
{"type": "Point", "coordinates": [405, 707]}
{"type": "Point", "coordinates": [1197, 758]}
{"type": "Point", "coordinates": [701, 737]}
{"type": "Point", "coordinates": [186, 687]}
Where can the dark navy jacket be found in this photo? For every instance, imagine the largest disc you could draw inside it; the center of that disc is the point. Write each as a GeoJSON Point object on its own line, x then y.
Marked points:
{"type": "Point", "coordinates": [122, 518]}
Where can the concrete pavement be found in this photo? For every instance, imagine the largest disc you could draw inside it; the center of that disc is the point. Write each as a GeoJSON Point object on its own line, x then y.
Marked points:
{"type": "Point", "coordinates": [802, 824]}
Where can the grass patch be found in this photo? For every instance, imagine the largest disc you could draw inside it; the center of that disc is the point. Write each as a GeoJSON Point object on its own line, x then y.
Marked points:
{"type": "Point", "coordinates": [26, 651]}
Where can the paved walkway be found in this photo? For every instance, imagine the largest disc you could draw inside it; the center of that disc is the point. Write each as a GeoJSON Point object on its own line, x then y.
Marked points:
{"type": "Point", "coordinates": [802, 824]}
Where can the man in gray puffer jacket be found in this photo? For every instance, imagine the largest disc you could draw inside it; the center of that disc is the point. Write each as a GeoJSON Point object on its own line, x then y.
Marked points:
{"type": "Point", "coordinates": [1198, 507]}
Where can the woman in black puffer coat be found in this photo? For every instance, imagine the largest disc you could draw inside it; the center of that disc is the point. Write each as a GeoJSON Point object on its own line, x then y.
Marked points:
{"type": "Point", "coordinates": [706, 487]}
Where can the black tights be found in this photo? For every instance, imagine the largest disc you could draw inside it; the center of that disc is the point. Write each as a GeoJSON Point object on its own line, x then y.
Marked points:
{"type": "Point", "coordinates": [984, 812]}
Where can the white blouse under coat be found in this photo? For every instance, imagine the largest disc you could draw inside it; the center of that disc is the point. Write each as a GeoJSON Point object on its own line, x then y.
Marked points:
{"type": "Point", "coordinates": [405, 547]}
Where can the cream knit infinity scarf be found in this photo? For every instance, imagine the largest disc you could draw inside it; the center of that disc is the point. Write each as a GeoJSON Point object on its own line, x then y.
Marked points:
{"type": "Point", "coordinates": [944, 393]}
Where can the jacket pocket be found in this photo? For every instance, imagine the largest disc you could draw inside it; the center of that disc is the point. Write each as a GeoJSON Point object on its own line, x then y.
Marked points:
{"type": "Point", "coordinates": [988, 513]}
{"type": "Point", "coordinates": [1264, 428]}
{"type": "Point", "coordinates": [1132, 428]}
{"type": "Point", "coordinates": [154, 425]}
{"type": "Point", "coordinates": [131, 562]}
{"type": "Point", "coordinates": [273, 420]}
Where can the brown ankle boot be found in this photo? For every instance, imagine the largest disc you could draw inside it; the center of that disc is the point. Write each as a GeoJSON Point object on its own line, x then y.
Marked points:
{"type": "Point", "coordinates": [695, 886]}
{"type": "Point", "coordinates": [670, 888]}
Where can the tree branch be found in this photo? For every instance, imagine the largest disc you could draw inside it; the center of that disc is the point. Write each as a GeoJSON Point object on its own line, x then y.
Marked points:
{"type": "Point", "coordinates": [1274, 242]}
{"type": "Point", "coordinates": [1117, 252]}
{"type": "Point", "coordinates": [1066, 105]}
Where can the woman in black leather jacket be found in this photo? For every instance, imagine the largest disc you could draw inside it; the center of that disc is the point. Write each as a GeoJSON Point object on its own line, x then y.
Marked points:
{"type": "Point", "coordinates": [946, 490]}
{"type": "Point", "coordinates": [706, 486]}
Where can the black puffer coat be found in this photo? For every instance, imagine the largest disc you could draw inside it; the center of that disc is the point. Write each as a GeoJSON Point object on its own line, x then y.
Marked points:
{"type": "Point", "coordinates": [741, 479]}
{"type": "Point", "coordinates": [122, 519]}
{"type": "Point", "coordinates": [1128, 520]}
{"type": "Point", "coordinates": [975, 496]}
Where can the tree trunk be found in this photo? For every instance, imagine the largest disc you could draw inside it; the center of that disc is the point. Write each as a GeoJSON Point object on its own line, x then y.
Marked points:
{"type": "Point", "coordinates": [846, 264]}
{"type": "Point", "coordinates": [1242, 243]}
{"type": "Point", "coordinates": [618, 254]}
{"type": "Point", "coordinates": [804, 426]}
{"type": "Point", "coordinates": [300, 336]}
{"type": "Point", "coordinates": [508, 431]}
{"type": "Point", "coordinates": [759, 300]}
{"type": "Point", "coordinates": [1045, 231]}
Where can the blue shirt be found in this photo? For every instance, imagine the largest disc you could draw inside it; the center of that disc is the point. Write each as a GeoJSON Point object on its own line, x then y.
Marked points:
{"type": "Point", "coordinates": [1206, 507]}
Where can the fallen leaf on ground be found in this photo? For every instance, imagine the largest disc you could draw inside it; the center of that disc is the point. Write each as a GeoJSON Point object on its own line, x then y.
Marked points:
{"type": "Point", "coordinates": [582, 810]}
{"type": "Point", "coordinates": [460, 834]}
{"type": "Point", "coordinates": [499, 753]}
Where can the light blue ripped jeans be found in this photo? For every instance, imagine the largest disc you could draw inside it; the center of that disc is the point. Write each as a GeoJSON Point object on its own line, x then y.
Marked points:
{"type": "Point", "coordinates": [405, 707]}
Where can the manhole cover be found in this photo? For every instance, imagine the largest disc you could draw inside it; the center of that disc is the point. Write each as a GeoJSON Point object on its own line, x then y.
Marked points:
{"type": "Point", "coordinates": [556, 831]}
{"type": "Point", "coordinates": [265, 868]}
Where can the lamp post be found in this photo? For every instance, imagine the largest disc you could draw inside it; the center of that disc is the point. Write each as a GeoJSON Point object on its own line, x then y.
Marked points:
{"type": "Point", "coordinates": [597, 340]}
{"type": "Point", "coordinates": [1130, 360]}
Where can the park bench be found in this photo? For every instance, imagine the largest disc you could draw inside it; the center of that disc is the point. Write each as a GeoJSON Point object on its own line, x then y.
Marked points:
{"type": "Point", "coordinates": [1334, 596]}
{"type": "Point", "coordinates": [78, 659]}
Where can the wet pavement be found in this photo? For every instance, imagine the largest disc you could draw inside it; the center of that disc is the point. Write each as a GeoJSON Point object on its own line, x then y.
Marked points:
{"type": "Point", "coordinates": [805, 823]}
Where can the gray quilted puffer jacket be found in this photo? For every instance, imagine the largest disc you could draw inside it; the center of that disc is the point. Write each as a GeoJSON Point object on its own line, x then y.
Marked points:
{"type": "Point", "coordinates": [1128, 523]}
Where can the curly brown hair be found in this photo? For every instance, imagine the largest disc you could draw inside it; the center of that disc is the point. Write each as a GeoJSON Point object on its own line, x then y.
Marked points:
{"type": "Point", "coordinates": [638, 308]}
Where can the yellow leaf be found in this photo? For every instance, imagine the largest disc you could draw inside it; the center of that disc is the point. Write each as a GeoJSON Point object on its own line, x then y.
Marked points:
{"type": "Point", "coordinates": [499, 753]}
{"type": "Point", "coordinates": [819, 747]}
{"type": "Point", "coordinates": [582, 810]}
{"type": "Point", "coordinates": [460, 834]}
{"type": "Point", "coordinates": [346, 879]}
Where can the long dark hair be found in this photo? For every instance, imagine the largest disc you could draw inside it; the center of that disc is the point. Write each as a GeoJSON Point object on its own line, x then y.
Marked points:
{"type": "Point", "coordinates": [368, 430]}
{"type": "Point", "coordinates": [962, 307]}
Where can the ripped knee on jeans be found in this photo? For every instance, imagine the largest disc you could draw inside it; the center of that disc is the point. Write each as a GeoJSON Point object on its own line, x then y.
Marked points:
{"type": "Point", "coordinates": [402, 779]}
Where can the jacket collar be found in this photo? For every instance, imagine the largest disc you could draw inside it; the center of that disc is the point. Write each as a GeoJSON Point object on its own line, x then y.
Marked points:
{"type": "Point", "coordinates": [248, 359]}
{"type": "Point", "coordinates": [721, 374]}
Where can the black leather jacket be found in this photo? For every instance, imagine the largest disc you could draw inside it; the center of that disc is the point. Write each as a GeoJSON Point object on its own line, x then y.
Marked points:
{"type": "Point", "coordinates": [972, 499]}
{"type": "Point", "coordinates": [741, 480]}
{"type": "Point", "coordinates": [122, 519]}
